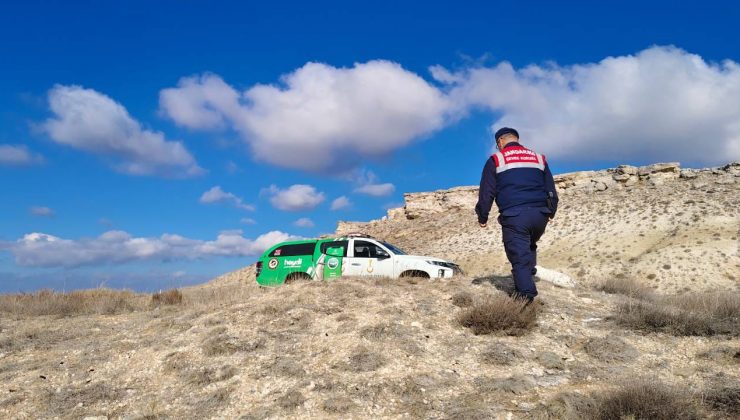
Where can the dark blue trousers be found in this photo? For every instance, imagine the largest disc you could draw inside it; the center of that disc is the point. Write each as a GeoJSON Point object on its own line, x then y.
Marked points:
{"type": "Point", "coordinates": [521, 228]}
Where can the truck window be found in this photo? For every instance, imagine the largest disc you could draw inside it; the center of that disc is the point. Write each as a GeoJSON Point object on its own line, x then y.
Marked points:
{"type": "Point", "coordinates": [294, 250]}
{"type": "Point", "coordinates": [364, 249]}
{"type": "Point", "coordinates": [336, 244]}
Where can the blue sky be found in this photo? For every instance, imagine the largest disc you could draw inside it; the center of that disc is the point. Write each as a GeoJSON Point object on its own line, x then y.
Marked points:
{"type": "Point", "coordinates": [151, 145]}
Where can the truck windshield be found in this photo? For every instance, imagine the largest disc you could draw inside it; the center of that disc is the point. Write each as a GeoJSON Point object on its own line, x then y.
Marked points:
{"type": "Point", "coordinates": [393, 249]}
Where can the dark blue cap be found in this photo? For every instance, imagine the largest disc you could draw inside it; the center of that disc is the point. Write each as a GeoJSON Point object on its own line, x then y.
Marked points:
{"type": "Point", "coordinates": [505, 130]}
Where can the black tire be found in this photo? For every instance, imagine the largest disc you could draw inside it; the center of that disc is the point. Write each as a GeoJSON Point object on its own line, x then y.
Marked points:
{"type": "Point", "coordinates": [295, 277]}
{"type": "Point", "coordinates": [415, 273]}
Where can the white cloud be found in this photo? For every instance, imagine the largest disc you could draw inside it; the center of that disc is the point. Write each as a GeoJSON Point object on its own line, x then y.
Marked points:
{"type": "Point", "coordinates": [201, 102]}
{"type": "Point", "coordinates": [369, 185]}
{"type": "Point", "coordinates": [91, 121]}
{"type": "Point", "coordinates": [117, 247]}
{"type": "Point", "coordinates": [217, 195]}
{"type": "Point", "coordinates": [247, 221]}
{"type": "Point", "coordinates": [18, 155]}
{"type": "Point", "coordinates": [340, 203]}
{"type": "Point", "coordinates": [376, 190]}
{"type": "Point", "coordinates": [328, 116]}
{"type": "Point", "coordinates": [304, 222]}
{"type": "Point", "coordinates": [41, 211]}
{"type": "Point", "coordinates": [295, 198]}
{"type": "Point", "coordinates": [658, 105]}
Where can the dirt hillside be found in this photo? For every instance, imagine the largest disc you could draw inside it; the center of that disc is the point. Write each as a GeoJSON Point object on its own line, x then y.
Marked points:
{"type": "Point", "coordinates": [654, 252]}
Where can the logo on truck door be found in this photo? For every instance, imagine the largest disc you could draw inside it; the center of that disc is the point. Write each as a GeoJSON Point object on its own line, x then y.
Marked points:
{"type": "Point", "coordinates": [332, 263]}
{"type": "Point", "coordinates": [273, 263]}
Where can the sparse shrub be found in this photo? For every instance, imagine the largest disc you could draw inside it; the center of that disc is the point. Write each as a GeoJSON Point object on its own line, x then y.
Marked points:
{"type": "Point", "coordinates": [291, 400]}
{"type": "Point", "coordinates": [500, 354]}
{"type": "Point", "coordinates": [208, 375]}
{"type": "Point", "coordinates": [724, 398]}
{"type": "Point", "coordinates": [499, 314]}
{"type": "Point", "coordinates": [338, 405]}
{"type": "Point", "coordinates": [609, 349]}
{"type": "Point", "coordinates": [223, 344]}
{"type": "Point", "coordinates": [626, 286]}
{"type": "Point", "coordinates": [513, 384]}
{"type": "Point", "coordinates": [696, 314]}
{"type": "Point", "coordinates": [550, 360]}
{"type": "Point", "coordinates": [168, 297]}
{"type": "Point", "coordinates": [380, 332]}
{"type": "Point", "coordinates": [462, 299]}
{"type": "Point", "coordinates": [80, 302]}
{"type": "Point", "coordinates": [12, 400]}
{"type": "Point", "coordinates": [363, 360]}
{"type": "Point", "coordinates": [63, 401]}
{"type": "Point", "coordinates": [570, 405]}
{"type": "Point", "coordinates": [212, 401]}
{"type": "Point", "coordinates": [644, 399]}
{"type": "Point", "coordinates": [287, 367]}
{"type": "Point", "coordinates": [658, 317]}
{"type": "Point", "coordinates": [722, 353]}
{"type": "Point", "coordinates": [218, 345]}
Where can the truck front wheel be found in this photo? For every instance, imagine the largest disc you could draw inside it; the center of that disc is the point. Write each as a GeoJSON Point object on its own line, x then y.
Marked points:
{"type": "Point", "coordinates": [415, 273]}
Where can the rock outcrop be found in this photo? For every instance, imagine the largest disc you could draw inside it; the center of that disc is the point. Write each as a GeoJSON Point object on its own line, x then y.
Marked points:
{"type": "Point", "coordinates": [622, 177]}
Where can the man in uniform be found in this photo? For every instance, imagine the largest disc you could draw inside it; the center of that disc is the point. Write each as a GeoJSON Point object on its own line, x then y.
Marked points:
{"type": "Point", "coordinates": [520, 182]}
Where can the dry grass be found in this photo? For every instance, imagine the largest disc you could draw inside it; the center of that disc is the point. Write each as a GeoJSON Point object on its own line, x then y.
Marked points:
{"type": "Point", "coordinates": [364, 360]}
{"type": "Point", "coordinates": [462, 299]}
{"type": "Point", "coordinates": [218, 296]}
{"type": "Point", "coordinates": [207, 375]}
{"type": "Point", "coordinates": [644, 399]}
{"type": "Point", "coordinates": [220, 344]}
{"type": "Point", "coordinates": [499, 314]}
{"type": "Point", "coordinates": [82, 302]}
{"type": "Point", "coordinates": [701, 314]}
{"type": "Point", "coordinates": [338, 405]}
{"type": "Point", "coordinates": [610, 349]}
{"type": "Point", "coordinates": [66, 401]}
{"type": "Point", "coordinates": [626, 286]}
{"type": "Point", "coordinates": [717, 354]}
{"type": "Point", "coordinates": [500, 354]}
{"type": "Point", "coordinates": [724, 399]}
{"type": "Point", "coordinates": [291, 400]}
{"type": "Point", "coordinates": [168, 297]}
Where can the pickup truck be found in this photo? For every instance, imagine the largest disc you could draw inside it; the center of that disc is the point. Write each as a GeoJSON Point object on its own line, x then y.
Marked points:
{"type": "Point", "coordinates": [352, 255]}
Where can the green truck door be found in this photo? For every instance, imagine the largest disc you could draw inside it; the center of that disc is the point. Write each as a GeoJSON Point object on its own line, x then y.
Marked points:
{"type": "Point", "coordinates": [333, 263]}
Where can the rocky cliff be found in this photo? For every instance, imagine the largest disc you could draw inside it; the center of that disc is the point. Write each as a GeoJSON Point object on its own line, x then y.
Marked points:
{"type": "Point", "coordinates": [622, 177]}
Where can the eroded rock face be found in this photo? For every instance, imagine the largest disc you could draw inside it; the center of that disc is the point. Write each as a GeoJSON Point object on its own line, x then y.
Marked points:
{"type": "Point", "coordinates": [670, 167]}
{"type": "Point", "coordinates": [419, 204]}
{"type": "Point", "coordinates": [598, 182]}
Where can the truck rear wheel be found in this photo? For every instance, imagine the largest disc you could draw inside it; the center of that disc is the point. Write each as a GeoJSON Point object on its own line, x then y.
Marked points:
{"type": "Point", "coordinates": [294, 277]}
{"type": "Point", "coordinates": [415, 273]}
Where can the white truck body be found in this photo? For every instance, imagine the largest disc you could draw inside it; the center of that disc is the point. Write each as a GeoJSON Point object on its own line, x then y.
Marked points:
{"type": "Point", "coordinates": [371, 257]}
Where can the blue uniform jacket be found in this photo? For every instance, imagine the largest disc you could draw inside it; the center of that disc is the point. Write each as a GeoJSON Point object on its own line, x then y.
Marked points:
{"type": "Point", "coordinates": [515, 187]}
